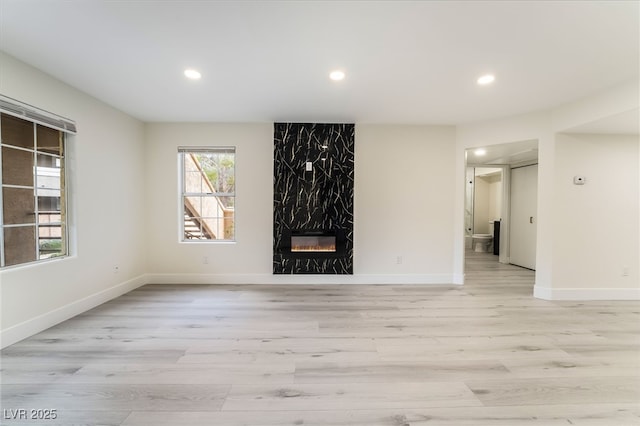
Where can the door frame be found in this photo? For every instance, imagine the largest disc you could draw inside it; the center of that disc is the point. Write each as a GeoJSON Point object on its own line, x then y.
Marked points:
{"type": "Point", "coordinates": [503, 256]}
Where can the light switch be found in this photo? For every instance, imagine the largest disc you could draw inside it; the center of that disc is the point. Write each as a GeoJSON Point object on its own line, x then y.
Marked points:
{"type": "Point", "coordinates": [309, 166]}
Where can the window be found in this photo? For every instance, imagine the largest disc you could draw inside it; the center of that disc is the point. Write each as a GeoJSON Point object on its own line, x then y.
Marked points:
{"type": "Point", "coordinates": [33, 192]}
{"type": "Point", "coordinates": [207, 194]}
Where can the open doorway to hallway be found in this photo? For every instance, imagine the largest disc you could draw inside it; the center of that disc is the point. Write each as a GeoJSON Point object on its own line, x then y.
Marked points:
{"type": "Point", "coordinates": [489, 222]}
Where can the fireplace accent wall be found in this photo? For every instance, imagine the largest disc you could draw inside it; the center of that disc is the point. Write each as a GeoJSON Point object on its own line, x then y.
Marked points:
{"type": "Point", "coordinates": [313, 198]}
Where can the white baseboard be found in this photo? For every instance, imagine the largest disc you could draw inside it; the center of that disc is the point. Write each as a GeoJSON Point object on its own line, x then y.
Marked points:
{"type": "Point", "coordinates": [300, 279]}
{"type": "Point", "coordinates": [35, 325]}
{"type": "Point", "coordinates": [547, 293]}
{"type": "Point", "coordinates": [458, 279]}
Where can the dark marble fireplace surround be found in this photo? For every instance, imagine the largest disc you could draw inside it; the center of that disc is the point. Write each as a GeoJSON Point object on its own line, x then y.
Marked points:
{"type": "Point", "coordinates": [313, 198]}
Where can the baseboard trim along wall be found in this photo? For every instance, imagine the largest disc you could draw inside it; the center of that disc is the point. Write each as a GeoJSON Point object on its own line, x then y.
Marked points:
{"type": "Point", "coordinates": [547, 293]}
{"type": "Point", "coordinates": [35, 325]}
{"type": "Point", "coordinates": [458, 279]}
{"type": "Point", "coordinates": [442, 279]}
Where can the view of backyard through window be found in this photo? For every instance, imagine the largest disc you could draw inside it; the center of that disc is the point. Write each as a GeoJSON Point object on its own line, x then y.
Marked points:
{"type": "Point", "coordinates": [208, 193]}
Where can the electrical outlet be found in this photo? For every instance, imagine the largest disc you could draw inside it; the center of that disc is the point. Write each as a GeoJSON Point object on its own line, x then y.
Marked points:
{"type": "Point", "coordinates": [625, 271]}
{"type": "Point", "coordinates": [205, 260]}
{"type": "Point", "coordinates": [399, 260]}
{"type": "Point", "coordinates": [116, 269]}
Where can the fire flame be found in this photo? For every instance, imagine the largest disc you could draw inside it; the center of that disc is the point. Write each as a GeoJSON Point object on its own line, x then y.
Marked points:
{"type": "Point", "coordinates": [323, 248]}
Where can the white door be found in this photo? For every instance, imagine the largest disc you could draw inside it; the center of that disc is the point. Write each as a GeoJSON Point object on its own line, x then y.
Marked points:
{"type": "Point", "coordinates": [524, 203]}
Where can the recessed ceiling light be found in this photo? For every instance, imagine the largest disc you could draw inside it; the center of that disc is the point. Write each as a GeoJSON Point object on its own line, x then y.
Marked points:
{"type": "Point", "coordinates": [337, 75]}
{"type": "Point", "coordinates": [480, 152]}
{"type": "Point", "coordinates": [486, 79]}
{"type": "Point", "coordinates": [192, 74]}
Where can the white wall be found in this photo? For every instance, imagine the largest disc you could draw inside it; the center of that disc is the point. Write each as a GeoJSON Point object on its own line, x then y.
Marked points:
{"type": "Point", "coordinates": [488, 202]}
{"type": "Point", "coordinates": [495, 197]}
{"type": "Point", "coordinates": [248, 260]}
{"type": "Point", "coordinates": [403, 206]}
{"type": "Point", "coordinates": [596, 224]}
{"type": "Point", "coordinates": [619, 99]}
{"type": "Point", "coordinates": [106, 164]}
{"type": "Point", "coordinates": [481, 205]}
{"type": "Point", "coordinates": [405, 171]}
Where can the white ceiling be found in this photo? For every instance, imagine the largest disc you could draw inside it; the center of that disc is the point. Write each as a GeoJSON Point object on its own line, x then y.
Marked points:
{"type": "Point", "coordinates": [507, 153]}
{"type": "Point", "coordinates": [406, 61]}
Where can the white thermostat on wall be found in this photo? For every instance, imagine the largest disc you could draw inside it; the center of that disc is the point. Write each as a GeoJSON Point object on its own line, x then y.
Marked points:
{"type": "Point", "coordinates": [579, 180]}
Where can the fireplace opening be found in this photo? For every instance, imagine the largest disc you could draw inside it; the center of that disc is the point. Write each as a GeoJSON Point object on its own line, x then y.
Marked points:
{"type": "Point", "coordinates": [300, 243]}
{"type": "Point", "coordinates": [309, 244]}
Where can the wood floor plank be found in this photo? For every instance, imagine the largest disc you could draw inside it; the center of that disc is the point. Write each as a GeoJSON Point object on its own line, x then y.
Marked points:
{"type": "Point", "coordinates": [467, 349]}
{"type": "Point", "coordinates": [211, 374]}
{"type": "Point", "coordinates": [389, 372]}
{"type": "Point", "coordinates": [98, 397]}
{"type": "Point", "coordinates": [574, 367]}
{"type": "Point", "coordinates": [39, 373]}
{"type": "Point", "coordinates": [625, 351]}
{"type": "Point", "coordinates": [555, 390]}
{"type": "Point", "coordinates": [281, 350]}
{"type": "Point", "coordinates": [16, 354]}
{"type": "Point", "coordinates": [353, 396]}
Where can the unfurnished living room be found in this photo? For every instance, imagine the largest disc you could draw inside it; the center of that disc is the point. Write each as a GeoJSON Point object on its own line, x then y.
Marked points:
{"type": "Point", "coordinates": [374, 213]}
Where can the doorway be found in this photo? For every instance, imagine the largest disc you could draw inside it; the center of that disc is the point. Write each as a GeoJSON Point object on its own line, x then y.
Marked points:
{"type": "Point", "coordinates": [506, 158]}
{"type": "Point", "coordinates": [483, 208]}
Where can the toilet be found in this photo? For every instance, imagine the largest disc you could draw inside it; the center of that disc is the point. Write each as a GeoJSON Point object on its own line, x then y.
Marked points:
{"type": "Point", "coordinates": [481, 243]}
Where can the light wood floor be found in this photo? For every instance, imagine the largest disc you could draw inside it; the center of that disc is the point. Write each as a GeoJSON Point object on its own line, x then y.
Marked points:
{"type": "Point", "coordinates": [487, 353]}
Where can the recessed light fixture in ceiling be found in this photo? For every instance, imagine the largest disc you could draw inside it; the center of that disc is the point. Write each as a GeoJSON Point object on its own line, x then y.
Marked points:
{"type": "Point", "coordinates": [486, 79]}
{"type": "Point", "coordinates": [480, 152]}
{"type": "Point", "coordinates": [337, 75]}
{"type": "Point", "coordinates": [192, 74]}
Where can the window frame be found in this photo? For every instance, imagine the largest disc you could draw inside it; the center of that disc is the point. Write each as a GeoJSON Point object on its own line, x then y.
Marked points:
{"type": "Point", "coordinates": [35, 152]}
{"type": "Point", "coordinates": [183, 194]}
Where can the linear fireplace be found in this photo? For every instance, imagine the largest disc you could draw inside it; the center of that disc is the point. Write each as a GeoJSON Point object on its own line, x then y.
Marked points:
{"type": "Point", "coordinates": [300, 243]}
{"type": "Point", "coordinates": [309, 244]}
